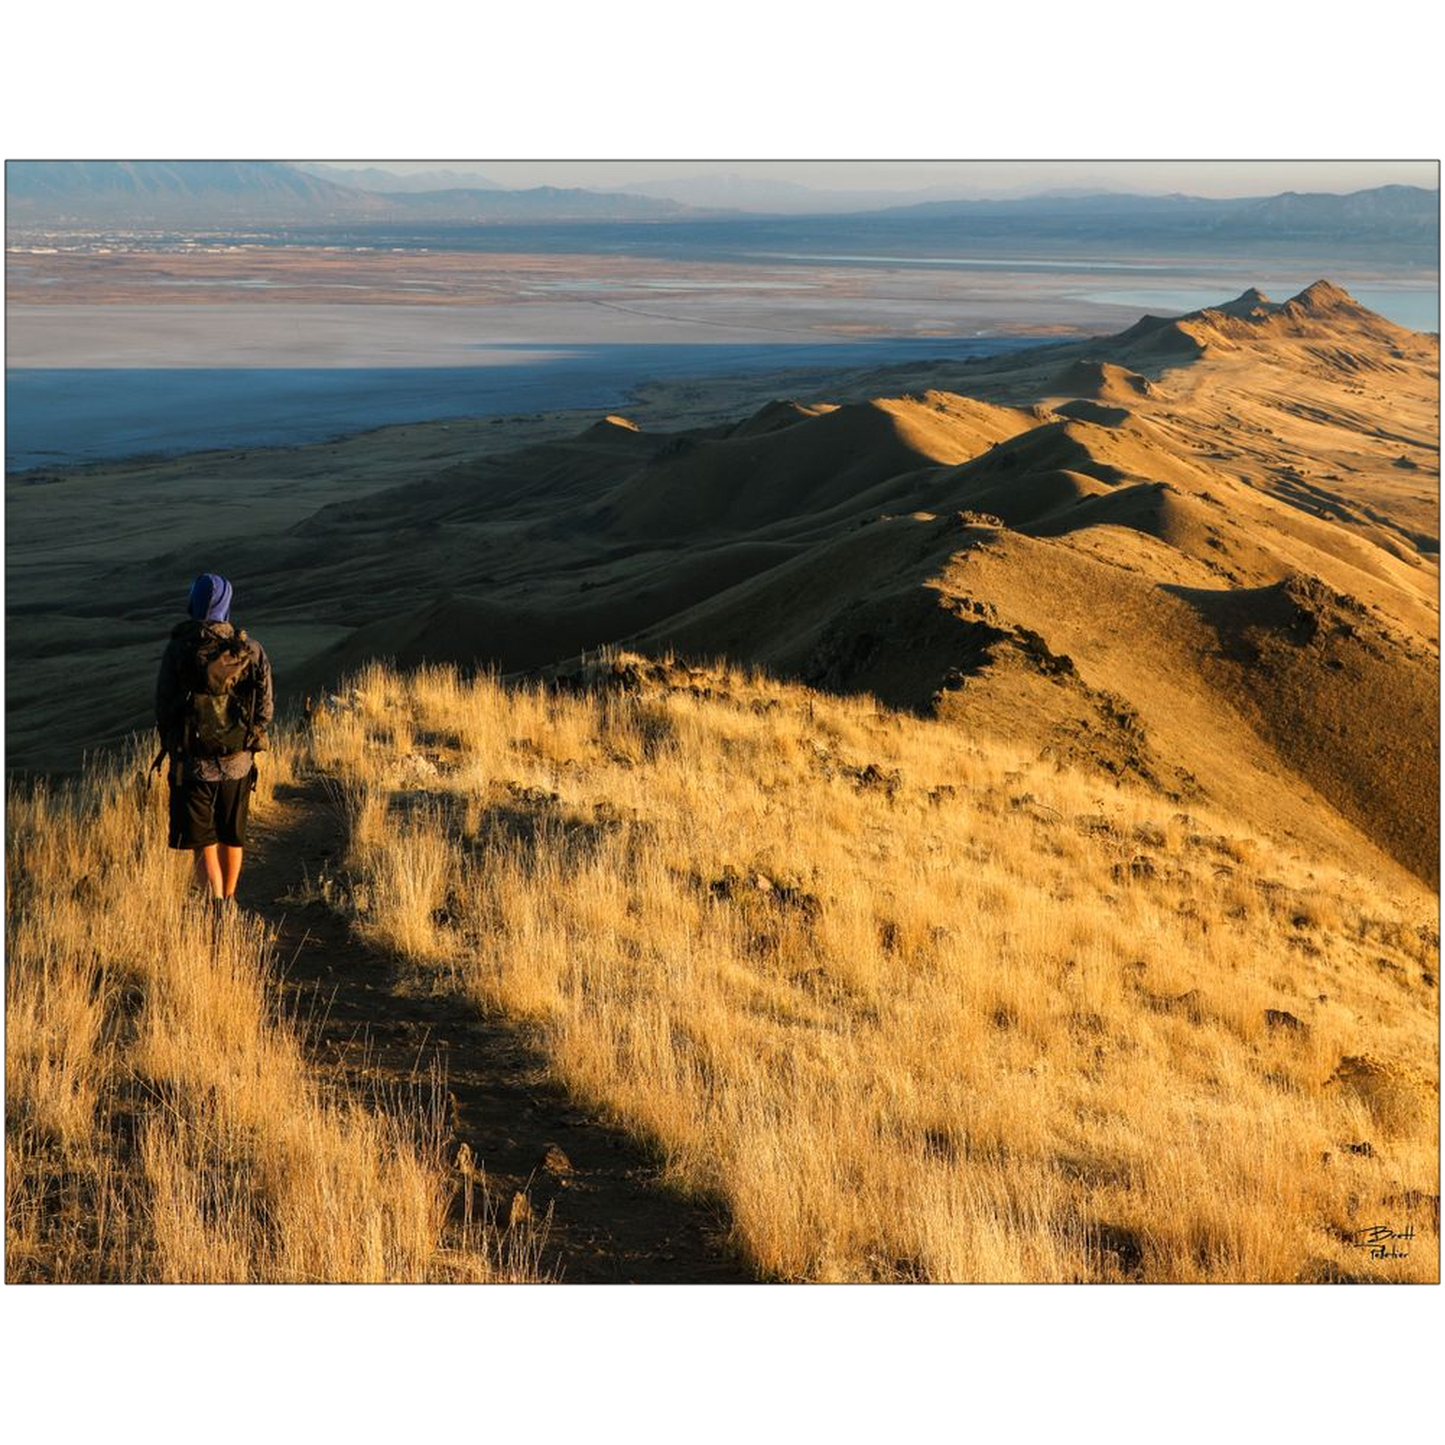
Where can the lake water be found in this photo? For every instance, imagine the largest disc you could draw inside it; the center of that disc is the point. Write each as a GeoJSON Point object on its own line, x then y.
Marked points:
{"type": "Point", "coordinates": [62, 416]}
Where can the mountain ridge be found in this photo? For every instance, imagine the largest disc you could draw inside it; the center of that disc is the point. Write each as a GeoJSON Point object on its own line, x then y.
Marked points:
{"type": "Point", "coordinates": [260, 192]}
{"type": "Point", "coordinates": [894, 545]}
{"type": "Point", "coordinates": [197, 192]}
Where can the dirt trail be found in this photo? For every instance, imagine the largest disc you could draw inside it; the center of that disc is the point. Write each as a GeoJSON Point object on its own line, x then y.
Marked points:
{"type": "Point", "coordinates": [612, 1220]}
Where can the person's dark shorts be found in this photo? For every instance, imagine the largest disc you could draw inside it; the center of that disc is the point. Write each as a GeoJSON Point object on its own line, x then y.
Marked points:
{"type": "Point", "coordinates": [206, 813]}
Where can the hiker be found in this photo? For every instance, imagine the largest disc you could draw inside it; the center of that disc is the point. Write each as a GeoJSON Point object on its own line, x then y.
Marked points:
{"type": "Point", "coordinates": [214, 700]}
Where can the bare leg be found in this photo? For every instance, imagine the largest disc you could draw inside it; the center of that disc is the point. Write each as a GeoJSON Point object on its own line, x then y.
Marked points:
{"type": "Point", "coordinates": [230, 869]}
{"type": "Point", "coordinates": [208, 869]}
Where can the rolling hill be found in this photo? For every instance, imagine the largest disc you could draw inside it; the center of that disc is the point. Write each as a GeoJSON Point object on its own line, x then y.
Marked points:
{"type": "Point", "coordinates": [1187, 553]}
{"type": "Point", "coordinates": [1201, 554]}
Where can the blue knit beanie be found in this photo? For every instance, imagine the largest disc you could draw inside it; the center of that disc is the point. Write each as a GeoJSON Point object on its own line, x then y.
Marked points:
{"type": "Point", "coordinates": [210, 598]}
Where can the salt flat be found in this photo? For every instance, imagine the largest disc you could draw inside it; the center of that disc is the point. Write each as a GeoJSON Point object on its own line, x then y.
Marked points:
{"type": "Point", "coordinates": [314, 334]}
{"type": "Point", "coordinates": [311, 307]}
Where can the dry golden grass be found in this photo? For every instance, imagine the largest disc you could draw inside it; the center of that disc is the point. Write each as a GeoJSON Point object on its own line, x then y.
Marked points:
{"type": "Point", "coordinates": [912, 1006]}
{"type": "Point", "coordinates": [161, 1122]}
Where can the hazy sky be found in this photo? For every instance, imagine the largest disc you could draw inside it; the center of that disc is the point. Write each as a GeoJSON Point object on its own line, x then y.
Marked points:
{"type": "Point", "coordinates": [964, 178]}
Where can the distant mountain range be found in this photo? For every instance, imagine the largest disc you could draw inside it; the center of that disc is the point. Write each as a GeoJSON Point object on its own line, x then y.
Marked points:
{"type": "Point", "coordinates": [1396, 208]}
{"type": "Point", "coordinates": [770, 195]}
{"type": "Point", "coordinates": [373, 178]}
{"type": "Point", "coordinates": [161, 194]}
{"type": "Point", "coordinates": [85, 190]}
{"type": "Point", "coordinates": [143, 194]}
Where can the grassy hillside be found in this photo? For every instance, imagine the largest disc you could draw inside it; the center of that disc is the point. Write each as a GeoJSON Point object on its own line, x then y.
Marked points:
{"type": "Point", "coordinates": [910, 1004]}
{"type": "Point", "coordinates": [161, 1121]}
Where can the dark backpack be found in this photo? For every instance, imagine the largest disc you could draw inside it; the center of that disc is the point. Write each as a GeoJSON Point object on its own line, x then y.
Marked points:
{"type": "Point", "coordinates": [219, 678]}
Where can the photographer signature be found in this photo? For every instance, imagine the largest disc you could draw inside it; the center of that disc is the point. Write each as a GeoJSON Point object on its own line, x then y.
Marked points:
{"type": "Point", "coordinates": [1383, 1242]}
